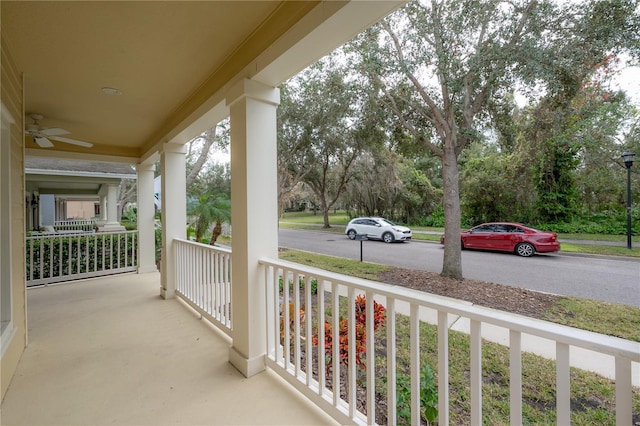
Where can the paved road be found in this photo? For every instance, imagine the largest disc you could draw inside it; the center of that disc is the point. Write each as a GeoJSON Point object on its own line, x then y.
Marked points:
{"type": "Point", "coordinates": [608, 279]}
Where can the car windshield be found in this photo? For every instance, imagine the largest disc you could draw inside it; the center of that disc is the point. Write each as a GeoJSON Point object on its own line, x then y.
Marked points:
{"type": "Point", "coordinates": [388, 222]}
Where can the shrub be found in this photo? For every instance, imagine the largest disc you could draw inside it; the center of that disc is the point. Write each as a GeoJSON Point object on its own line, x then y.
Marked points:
{"type": "Point", "coordinates": [360, 331]}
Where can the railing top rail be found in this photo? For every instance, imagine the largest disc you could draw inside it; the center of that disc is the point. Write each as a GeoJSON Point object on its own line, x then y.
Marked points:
{"type": "Point", "coordinates": [75, 234]}
{"type": "Point", "coordinates": [561, 333]}
{"type": "Point", "coordinates": [204, 246]}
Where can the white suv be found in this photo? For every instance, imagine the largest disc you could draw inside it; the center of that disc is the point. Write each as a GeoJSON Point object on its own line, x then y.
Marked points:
{"type": "Point", "coordinates": [377, 228]}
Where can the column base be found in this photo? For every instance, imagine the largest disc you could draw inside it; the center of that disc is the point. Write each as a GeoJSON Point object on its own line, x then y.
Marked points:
{"type": "Point", "coordinates": [165, 294]}
{"type": "Point", "coordinates": [147, 269]}
{"type": "Point", "coordinates": [247, 366]}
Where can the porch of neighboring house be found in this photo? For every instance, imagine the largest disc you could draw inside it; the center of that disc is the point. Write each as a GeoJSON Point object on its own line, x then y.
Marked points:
{"type": "Point", "coordinates": [112, 351]}
{"type": "Point", "coordinates": [70, 195]}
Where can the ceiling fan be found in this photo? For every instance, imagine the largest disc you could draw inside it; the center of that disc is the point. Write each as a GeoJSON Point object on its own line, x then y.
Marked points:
{"type": "Point", "coordinates": [42, 136]}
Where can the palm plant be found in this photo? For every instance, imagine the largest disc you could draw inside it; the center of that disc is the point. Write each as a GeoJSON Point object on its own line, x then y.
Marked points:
{"type": "Point", "coordinates": [211, 207]}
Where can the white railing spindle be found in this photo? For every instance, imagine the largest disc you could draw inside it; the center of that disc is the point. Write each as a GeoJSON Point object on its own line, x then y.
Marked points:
{"type": "Point", "coordinates": [391, 360]}
{"type": "Point", "coordinates": [624, 407]}
{"type": "Point", "coordinates": [515, 377]}
{"type": "Point", "coordinates": [351, 368]}
{"type": "Point", "coordinates": [563, 385]}
{"type": "Point", "coordinates": [476, 372]}
{"type": "Point", "coordinates": [308, 315]}
{"type": "Point", "coordinates": [371, 364]}
{"type": "Point", "coordinates": [202, 280]}
{"type": "Point", "coordinates": [414, 331]}
{"type": "Point", "coordinates": [443, 368]}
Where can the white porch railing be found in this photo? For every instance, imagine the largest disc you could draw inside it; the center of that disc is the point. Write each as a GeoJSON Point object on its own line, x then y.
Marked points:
{"type": "Point", "coordinates": [53, 258]}
{"type": "Point", "coordinates": [85, 225]}
{"type": "Point", "coordinates": [203, 280]}
{"type": "Point", "coordinates": [294, 312]}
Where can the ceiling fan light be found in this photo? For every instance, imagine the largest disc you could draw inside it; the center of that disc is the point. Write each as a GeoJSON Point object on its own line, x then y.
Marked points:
{"type": "Point", "coordinates": [111, 91]}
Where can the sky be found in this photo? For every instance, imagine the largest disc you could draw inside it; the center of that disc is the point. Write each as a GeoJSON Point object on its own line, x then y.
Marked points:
{"type": "Point", "coordinates": [629, 80]}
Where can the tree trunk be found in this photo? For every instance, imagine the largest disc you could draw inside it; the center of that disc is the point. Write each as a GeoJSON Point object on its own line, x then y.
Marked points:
{"type": "Point", "coordinates": [209, 137]}
{"type": "Point", "coordinates": [217, 230]}
{"type": "Point", "coordinates": [452, 263]}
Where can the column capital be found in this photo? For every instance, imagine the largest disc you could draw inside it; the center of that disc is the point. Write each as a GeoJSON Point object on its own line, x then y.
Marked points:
{"type": "Point", "coordinates": [145, 167]}
{"type": "Point", "coordinates": [246, 88]}
{"type": "Point", "coordinates": [173, 148]}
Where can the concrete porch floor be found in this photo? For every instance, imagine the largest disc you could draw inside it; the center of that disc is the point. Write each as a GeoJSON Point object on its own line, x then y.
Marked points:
{"type": "Point", "coordinates": [111, 351]}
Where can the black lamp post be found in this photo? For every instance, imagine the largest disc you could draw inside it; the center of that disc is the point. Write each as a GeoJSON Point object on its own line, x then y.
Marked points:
{"type": "Point", "coordinates": [627, 157]}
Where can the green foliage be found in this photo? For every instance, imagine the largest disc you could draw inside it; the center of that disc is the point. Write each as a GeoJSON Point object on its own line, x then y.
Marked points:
{"type": "Point", "coordinates": [212, 207]}
{"type": "Point", "coordinates": [428, 396]}
{"type": "Point", "coordinates": [78, 254]}
{"type": "Point", "coordinates": [301, 283]}
{"type": "Point", "coordinates": [613, 222]}
{"type": "Point", "coordinates": [321, 132]}
{"type": "Point", "coordinates": [436, 219]}
{"type": "Point", "coordinates": [158, 240]}
{"type": "Point", "coordinates": [495, 187]}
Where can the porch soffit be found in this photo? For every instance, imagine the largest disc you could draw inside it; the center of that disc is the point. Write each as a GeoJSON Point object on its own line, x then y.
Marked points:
{"type": "Point", "coordinates": [69, 177]}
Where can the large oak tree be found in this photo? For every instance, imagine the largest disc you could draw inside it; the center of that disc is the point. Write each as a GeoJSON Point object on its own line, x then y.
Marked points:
{"type": "Point", "coordinates": [443, 65]}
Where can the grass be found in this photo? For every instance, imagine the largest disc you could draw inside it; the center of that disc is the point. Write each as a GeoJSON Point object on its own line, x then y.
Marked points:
{"type": "Point", "coordinates": [603, 250]}
{"type": "Point", "coordinates": [366, 270]}
{"type": "Point", "coordinates": [336, 218]}
{"type": "Point", "coordinates": [599, 237]}
{"type": "Point", "coordinates": [601, 317]}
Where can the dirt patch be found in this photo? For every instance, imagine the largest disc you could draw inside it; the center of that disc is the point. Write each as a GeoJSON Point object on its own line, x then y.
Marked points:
{"type": "Point", "coordinates": [497, 296]}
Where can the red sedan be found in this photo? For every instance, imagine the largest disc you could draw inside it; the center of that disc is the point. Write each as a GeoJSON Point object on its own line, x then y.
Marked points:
{"type": "Point", "coordinates": [512, 237]}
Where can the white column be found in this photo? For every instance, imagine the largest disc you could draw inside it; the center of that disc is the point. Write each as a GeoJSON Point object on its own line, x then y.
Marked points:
{"type": "Point", "coordinates": [103, 210]}
{"type": "Point", "coordinates": [174, 212]}
{"type": "Point", "coordinates": [112, 210]}
{"type": "Point", "coordinates": [146, 228]}
{"type": "Point", "coordinates": [254, 216]}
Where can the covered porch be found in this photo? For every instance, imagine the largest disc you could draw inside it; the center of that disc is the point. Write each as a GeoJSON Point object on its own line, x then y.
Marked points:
{"type": "Point", "coordinates": [110, 351]}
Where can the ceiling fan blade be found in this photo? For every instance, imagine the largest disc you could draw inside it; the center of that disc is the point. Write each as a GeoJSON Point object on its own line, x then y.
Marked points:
{"type": "Point", "coordinates": [54, 132]}
{"type": "Point", "coordinates": [72, 141]}
{"type": "Point", "coordinates": [43, 142]}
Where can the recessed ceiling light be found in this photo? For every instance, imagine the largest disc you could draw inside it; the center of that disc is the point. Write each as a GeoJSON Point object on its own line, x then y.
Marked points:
{"type": "Point", "coordinates": [111, 91]}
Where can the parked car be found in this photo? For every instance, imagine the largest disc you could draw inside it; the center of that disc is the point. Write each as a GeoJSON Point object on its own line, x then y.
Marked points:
{"type": "Point", "coordinates": [377, 228]}
{"type": "Point", "coordinates": [511, 237]}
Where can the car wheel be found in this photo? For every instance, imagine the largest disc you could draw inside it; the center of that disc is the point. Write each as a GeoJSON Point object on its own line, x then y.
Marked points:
{"type": "Point", "coordinates": [525, 250]}
{"type": "Point", "coordinates": [461, 245]}
{"type": "Point", "coordinates": [387, 237]}
{"type": "Point", "coordinates": [351, 234]}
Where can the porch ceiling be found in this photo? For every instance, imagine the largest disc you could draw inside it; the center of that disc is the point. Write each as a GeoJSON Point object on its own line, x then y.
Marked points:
{"type": "Point", "coordinates": [168, 58]}
{"type": "Point", "coordinates": [158, 54]}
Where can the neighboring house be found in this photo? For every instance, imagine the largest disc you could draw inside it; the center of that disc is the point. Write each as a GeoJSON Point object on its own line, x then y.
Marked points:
{"type": "Point", "coordinates": [59, 190]}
